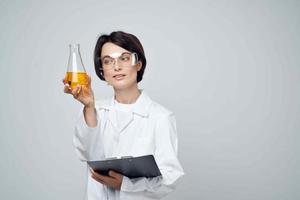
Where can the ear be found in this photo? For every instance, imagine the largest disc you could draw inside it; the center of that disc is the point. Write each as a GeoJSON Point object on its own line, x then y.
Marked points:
{"type": "Point", "coordinates": [103, 76]}
{"type": "Point", "coordinates": [102, 73]}
{"type": "Point", "coordinates": [139, 65]}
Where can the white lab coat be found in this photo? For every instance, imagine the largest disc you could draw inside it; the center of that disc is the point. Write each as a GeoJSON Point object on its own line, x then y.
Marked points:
{"type": "Point", "coordinates": [148, 129]}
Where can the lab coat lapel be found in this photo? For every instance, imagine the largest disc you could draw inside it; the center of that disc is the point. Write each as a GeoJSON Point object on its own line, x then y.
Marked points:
{"type": "Point", "coordinates": [141, 108]}
{"type": "Point", "coordinates": [111, 112]}
{"type": "Point", "coordinates": [126, 120]}
{"type": "Point", "coordinates": [113, 118]}
{"type": "Point", "coordinates": [120, 125]}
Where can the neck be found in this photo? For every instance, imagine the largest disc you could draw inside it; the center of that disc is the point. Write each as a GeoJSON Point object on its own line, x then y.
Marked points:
{"type": "Point", "coordinates": [128, 95]}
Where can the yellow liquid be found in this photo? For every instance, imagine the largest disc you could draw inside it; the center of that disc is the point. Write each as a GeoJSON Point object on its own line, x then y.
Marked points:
{"type": "Point", "coordinates": [76, 78]}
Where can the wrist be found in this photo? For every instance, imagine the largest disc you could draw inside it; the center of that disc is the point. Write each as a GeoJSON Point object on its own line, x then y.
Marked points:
{"type": "Point", "coordinates": [89, 106]}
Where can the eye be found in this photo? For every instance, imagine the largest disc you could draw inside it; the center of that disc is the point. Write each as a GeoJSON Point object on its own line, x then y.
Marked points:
{"type": "Point", "coordinates": [125, 57]}
{"type": "Point", "coordinates": [107, 61]}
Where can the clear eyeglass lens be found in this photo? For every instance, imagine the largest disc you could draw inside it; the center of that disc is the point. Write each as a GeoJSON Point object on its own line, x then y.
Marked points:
{"type": "Point", "coordinates": [126, 60]}
{"type": "Point", "coordinates": [108, 61]}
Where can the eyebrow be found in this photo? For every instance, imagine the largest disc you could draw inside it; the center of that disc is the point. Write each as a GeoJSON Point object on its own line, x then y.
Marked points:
{"type": "Point", "coordinates": [114, 53]}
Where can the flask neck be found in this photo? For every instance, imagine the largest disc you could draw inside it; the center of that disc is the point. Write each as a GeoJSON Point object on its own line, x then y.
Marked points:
{"type": "Point", "coordinates": [74, 48]}
{"type": "Point", "coordinates": [75, 63]}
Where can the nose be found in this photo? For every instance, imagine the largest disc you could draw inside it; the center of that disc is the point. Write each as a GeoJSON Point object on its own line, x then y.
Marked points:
{"type": "Point", "coordinates": [116, 65]}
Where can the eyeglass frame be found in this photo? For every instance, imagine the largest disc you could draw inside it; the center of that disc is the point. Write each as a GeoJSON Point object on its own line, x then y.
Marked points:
{"type": "Point", "coordinates": [116, 56]}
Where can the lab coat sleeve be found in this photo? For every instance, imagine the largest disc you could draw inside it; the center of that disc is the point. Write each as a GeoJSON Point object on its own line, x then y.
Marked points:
{"type": "Point", "coordinates": [166, 145]}
{"type": "Point", "coordinates": [85, 137]}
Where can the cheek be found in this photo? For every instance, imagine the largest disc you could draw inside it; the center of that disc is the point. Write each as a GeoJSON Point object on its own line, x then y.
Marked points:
{"type": "Point", "coordinates": [132, 77]}
{"type": "Point", "coordinates": [107, 75]}
{"type": "Point", "coordinates": [132, 73]}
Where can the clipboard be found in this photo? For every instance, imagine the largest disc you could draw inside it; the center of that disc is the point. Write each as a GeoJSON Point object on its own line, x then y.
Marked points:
{"type": "Point", "coordinates": [131, 167]}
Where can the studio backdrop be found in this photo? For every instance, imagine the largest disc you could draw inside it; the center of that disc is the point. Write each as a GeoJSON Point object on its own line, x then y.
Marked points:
{"type": "Point", "coordinates": [229, 70]}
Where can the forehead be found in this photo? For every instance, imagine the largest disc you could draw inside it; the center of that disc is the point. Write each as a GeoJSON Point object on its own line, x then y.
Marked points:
{"type": "Point", "coordinates": [110, 48]}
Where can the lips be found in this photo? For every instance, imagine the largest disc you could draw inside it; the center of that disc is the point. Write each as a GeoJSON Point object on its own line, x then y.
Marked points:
{"type": "Point", "coordinates": [119, 76]}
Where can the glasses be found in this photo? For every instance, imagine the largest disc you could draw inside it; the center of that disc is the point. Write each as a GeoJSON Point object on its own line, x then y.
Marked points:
{"type": "Point", "coordinates": [125, 59]}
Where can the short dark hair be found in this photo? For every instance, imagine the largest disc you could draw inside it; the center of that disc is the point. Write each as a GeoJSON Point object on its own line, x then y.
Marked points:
{"type": "Point", "coordinates": [125, 40]}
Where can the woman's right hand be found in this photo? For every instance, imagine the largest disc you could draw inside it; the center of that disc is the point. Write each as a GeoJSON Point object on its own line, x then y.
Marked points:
{"type": "Point", "coordinates": [82, 93]}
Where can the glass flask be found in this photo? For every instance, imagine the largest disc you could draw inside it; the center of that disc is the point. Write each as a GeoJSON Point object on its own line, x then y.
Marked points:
{"type": "Point", "coordinates": [76, 74]}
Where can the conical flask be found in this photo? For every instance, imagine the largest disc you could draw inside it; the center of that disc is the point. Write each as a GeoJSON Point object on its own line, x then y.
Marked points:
{"type": "Point", "coordinates": [76, 74]}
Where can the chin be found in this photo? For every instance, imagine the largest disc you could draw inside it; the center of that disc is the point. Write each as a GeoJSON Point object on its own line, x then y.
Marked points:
{"type": "Point", "coordinates": [121, 85]}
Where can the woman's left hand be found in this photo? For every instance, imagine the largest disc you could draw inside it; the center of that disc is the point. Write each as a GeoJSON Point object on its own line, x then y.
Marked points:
{"type": "Point", "coordinates": [113, 180]}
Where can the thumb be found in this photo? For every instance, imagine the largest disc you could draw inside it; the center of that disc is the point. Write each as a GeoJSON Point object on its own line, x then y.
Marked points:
{"type": "Point", "coordinates": [88, 79]}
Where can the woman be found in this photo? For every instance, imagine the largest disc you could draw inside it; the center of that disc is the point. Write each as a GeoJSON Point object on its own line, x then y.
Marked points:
{"type": "Point", "coordinates": [128, 124]}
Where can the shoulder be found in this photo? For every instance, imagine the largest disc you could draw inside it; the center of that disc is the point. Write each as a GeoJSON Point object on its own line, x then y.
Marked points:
{"type": "Point", "coordinates": [163, 118]}
{"type": "Point", "coordinates": [159, 111]}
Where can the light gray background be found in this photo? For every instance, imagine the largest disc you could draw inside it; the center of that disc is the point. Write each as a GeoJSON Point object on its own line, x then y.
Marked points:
{"type": "Point", "coordinates": [228, 69]}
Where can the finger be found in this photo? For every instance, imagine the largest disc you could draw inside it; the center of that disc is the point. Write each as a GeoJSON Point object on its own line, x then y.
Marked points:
{"type": "Point", "coordinates": [67, 88]}
{"type": "Point", "coordinates": [105, 179]}
{"type": "Point", "coordinates": [97, 179]}
{"type": "Point", "coordinates": [79, 90]}
{"type": "Point", "coordinates": [96, 175]}
{"type": "Point", "coordinates": [91, 170]}
{"type": "Point", "coordinates": [64, 80]}
{"type": "Point", "coordinates": [114, 174]}
{"type": "Point", "coordinates": [75, 91]}
{"type": "Point", "coordinates": [89, 80]}
{"type": "Point", "coordinates": [100, 177]}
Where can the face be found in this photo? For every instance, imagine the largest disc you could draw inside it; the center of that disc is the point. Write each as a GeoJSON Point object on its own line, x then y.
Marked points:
{"type": "Point", "coordinates": [122, 74]}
